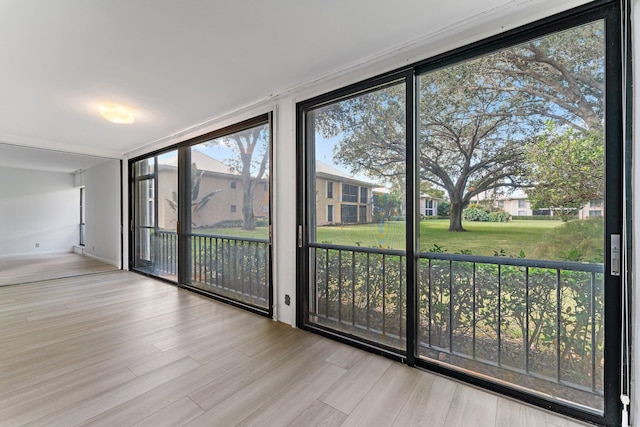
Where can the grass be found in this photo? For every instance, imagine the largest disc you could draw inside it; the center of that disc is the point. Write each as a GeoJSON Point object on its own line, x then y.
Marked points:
{"type": "Point", "coordinates": [481, 238]}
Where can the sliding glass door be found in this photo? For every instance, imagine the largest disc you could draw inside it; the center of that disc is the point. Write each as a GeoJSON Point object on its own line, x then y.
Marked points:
{"type": "Point", "coordinates": [201, 214]}
{"type": "Point", "coordinates": [462, 214]}
{"type": "Point", "coordinates": [513, 144]}
{"type": "Point", "coordinates": [228, 230]}
{"type": "Point", "coordinates": [357, 216]}
{"type": "Point", "coordinates": [154, 213]}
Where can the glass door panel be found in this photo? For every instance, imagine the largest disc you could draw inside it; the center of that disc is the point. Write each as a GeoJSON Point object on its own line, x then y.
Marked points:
{"type": "Point", "coordinates": [155, 204]}
{"type": "Point", "coordinates": [229, 230]}
{"type": "Point", "coordinates": [511, 152]}
{"type": "Point", "coordinates": [357, 218]}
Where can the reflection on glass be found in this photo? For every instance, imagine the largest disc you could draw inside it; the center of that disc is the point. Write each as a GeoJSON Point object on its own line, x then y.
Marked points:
{"type": "Point", "coordinates": [511, 155]}
{"type": "Point", "coordinates": [144, 167]}
{"type": "Point", "coordinates": [360, 194]}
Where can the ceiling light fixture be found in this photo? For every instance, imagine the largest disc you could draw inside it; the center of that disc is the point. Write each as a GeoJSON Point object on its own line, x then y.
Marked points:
{"type": "Point", "coordinates": [117, 113]}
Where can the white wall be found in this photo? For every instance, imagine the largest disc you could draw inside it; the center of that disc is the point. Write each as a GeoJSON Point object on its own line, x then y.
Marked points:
{"type": "Point", "coordinates": [37, 208]}
{"type": "Point", "coordinates": [102, 210]}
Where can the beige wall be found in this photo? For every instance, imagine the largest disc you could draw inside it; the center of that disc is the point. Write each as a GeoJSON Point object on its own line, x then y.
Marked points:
{"type": "Point", "coordinates": [323, 202]}
{"type": "Point", "coordinates": [225, 205]}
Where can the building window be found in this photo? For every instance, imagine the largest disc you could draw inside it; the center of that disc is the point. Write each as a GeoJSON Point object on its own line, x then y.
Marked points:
{"type": "Point", "coordinates": [595, 203]}
{"type": "Point", "coordinates": [595, 214]}
{"type": "Point", "coordinates": [233, 184]}
{"type": "Point", "coordinates": [522, 203]}
{"type": "Point", "coordinates": [233, 208]}
{"type": "Point", "coordinates": [428, 205]}
{"type": "Point", "coordinates": [329, 190]}
{"type": "Point", "coordinates": [522, 213]}
{"type": "Point", "coordinates": [330, 213]}
{"type": "Point", "coordinates": [501, 203]}
{"type": "Point", "coordinates": [349, 193]}
{"type": "Point", "coordinates": [363, 214]}
{"type": "Point", "coordinates": [363, 195]}
{"type": "Point", "coordinates": [349, 214]}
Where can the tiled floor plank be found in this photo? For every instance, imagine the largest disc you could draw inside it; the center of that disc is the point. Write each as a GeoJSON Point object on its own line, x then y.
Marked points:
{"type": "Point", "coordinates": [117, 348]}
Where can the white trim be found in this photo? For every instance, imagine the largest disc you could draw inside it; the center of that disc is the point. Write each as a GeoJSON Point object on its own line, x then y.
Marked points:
{"type": "Point", "coordinates": [106, 261]}
{"type": "Point", "coordinates": [59, 252]}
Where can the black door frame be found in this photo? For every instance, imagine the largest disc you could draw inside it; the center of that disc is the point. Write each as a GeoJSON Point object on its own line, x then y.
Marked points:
{"type": "Point", "coordinates": [184, 168]}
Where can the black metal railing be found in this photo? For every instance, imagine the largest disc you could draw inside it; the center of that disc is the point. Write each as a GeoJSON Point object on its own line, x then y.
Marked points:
{"type": "Point", "coordinates": [234, 267]}
{"type": "Point", "coordinates": [165, 253]}
{"type": "Point", "coordinates": [533, 323]}
{"type": "Point", "coordinates": [360, 291]}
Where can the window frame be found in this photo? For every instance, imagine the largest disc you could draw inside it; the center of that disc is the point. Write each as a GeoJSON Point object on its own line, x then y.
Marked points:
{"type": "Point", "coordinates": [353, 216]}
{"type": "Point", "coordinates": [364, 195]}
{"type": "Point", "coordinates": [183, 149]}
{"type": "Point", "coordinates": [350, 198]}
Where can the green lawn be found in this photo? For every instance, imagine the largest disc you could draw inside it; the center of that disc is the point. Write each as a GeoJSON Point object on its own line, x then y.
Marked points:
{"type": "Point", "coordinates": [481, 238]}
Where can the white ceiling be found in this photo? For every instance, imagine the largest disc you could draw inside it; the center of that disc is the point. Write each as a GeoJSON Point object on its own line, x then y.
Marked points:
{"type": "Point", "coordinates": [19, 157]}
{"type": "Point", "coordinates": [182, 63]}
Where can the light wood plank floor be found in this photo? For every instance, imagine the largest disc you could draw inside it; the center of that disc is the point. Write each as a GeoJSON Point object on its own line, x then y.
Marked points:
{"type": "Point", "coordinates": [120, 349]}
{"type": "Point", "coordinates": [36, 268]}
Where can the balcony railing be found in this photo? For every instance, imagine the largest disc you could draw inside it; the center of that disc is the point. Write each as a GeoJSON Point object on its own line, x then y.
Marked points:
{"type": "Point", "coordinates": [234, 267]}
{"type": "Point", "coordinates": [165, 253]}
{"type": "Point", "coordinates": [533, 323]}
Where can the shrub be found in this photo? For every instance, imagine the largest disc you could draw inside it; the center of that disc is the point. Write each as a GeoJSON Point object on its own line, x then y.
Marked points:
{"type": "Point", "coordinates": [432, 217]}
{"type": "Point", "coordinates": [444, 208]}
{"type": "Point", "coordinates": [475, 213]}
{"type": "Point", "coordinates": [499, 216]}
{"type": "Point", "coordinates": [228, 223]}
{"type": "Point", "coordinates": [537, 217]}
{"type": "Point", "coordinates": [578, 240]}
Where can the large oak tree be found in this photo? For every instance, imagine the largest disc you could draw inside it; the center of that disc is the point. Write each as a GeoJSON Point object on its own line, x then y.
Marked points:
{"type": "Point", "coordinates": [477, 118]}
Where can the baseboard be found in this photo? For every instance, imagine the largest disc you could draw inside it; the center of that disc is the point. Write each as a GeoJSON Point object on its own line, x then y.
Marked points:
{"type": "Point", "coordinates": [58, 252]}
{"type": "Point", "coordinates": [106, 261]}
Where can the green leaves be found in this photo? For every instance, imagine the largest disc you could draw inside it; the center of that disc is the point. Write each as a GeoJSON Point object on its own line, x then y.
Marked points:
{"type": "Point", "coordinates": [567, 167]}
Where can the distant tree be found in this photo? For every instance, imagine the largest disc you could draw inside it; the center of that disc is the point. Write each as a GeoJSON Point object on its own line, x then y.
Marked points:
{"type": "Point", "coordinates": [568, 168]}
{"type": "Point", "coordinates": [444, 208]}
{"type": "Point", "coordinates": [477, 118]}
{"type": "Point", "coordinates": [386, 206]}
{"type": "Point", "coordinates": [252, 149]}
{"type": "Point", "coordinates": [197, 202]}
{"type": "Point", "coordinates": [470, 140]}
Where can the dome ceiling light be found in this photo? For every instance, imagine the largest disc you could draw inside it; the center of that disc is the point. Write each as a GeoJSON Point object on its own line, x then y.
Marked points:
{"type": "Point", "coordinates": [117, 113]}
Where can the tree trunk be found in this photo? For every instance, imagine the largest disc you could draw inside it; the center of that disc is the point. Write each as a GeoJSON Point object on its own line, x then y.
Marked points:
{"type": "Point", "coordinates": [455, 223]}
{"type": "Point", "coordinates": [248, 217]}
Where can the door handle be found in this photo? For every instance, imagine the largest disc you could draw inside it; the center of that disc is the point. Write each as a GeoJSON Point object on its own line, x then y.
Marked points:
{"type": "Point", "coordinates": [615, 255]}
